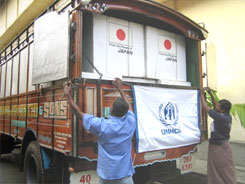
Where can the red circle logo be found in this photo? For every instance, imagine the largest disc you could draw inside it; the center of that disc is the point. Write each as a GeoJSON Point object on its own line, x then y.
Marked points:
{"type": "Point", "coordinates": [167, 44]}
{"type": "Point", "coordinates": [121, 34]}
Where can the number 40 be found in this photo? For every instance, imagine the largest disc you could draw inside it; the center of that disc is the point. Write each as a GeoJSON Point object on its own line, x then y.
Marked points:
{"type": "Point", "coordinates": [85, 178]}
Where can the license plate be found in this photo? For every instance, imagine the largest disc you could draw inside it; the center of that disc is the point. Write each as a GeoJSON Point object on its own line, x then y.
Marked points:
{"type": "Point", "coordinates": [84, 177]}
{"type": "Point", "coordinates": [186, 164]}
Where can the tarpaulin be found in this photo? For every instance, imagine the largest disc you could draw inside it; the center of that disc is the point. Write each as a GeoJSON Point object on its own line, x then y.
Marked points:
{"type": "Point", "coordinates": [51, 47]}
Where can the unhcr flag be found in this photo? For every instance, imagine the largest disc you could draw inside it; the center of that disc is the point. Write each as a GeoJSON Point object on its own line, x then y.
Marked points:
{"type": "Point", "coordinates": [166, 118]}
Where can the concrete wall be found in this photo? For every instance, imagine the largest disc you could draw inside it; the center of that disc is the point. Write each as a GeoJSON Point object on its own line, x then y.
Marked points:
{"type": "Point", "coordinates": [16, 15]}
{"type": "Point", "coordinates": [10, 11]}
{"type": "Point", "coordinates": [225, 47]}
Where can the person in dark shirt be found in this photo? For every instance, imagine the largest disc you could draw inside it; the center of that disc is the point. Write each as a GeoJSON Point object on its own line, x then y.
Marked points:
{"type": "Point", "coordinates": [220, 160]}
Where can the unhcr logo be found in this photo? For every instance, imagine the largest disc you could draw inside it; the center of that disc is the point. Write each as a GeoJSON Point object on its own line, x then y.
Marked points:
{"type": "Point", "coordinates": [169, 114]}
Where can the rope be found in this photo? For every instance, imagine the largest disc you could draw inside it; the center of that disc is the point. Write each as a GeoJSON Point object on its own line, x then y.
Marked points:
{"type": "Point", "coordinates": [90, 62]}
{"type": "Point", "coordinates": [100, 74]}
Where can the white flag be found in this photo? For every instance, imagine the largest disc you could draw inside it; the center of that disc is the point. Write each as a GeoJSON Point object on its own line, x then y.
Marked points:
{"type": "Point", "coordinates": [166, 118]}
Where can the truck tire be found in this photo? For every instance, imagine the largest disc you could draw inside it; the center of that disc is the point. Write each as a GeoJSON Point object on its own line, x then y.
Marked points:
{"type": "Point", "coordinates": [33, 166]}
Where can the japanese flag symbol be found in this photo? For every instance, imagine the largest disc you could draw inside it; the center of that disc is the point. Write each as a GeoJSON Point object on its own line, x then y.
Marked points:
{"type": "Point", "coordinates": [167, 45]}
{"type": "Point", "coordinates": [120, 34]}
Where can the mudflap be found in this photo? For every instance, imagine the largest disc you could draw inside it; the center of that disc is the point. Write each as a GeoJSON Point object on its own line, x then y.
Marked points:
{"type": "Point", "coordinates": [158, 172]}
{"type": "Point", "coordinates": [7, 144]}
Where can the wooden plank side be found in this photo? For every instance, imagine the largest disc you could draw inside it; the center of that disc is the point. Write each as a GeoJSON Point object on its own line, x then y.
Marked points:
{"type": "Point", "coordinates": [87, 142]}
{"type": "Point", "coordinates": [84, 105]}
{"type": "Point", "coordinates": [32, 112]}
{"type": "Point", "coordinates": [22, 116]}
{"type": "Point", "coordinates": [2, 115]}
{"type": "Point", "coordinates": [14, 117]}
{"type": "Point", "coordinates": [87, 146]}
{"type": "Point", "coordinates": [45, 136]}
{"type": "Point", "coordinates": [76, 47]}
{"type": "Point", "coordinates": [62, 123]}
{"type": "Point", "coordinates": [7, 117]}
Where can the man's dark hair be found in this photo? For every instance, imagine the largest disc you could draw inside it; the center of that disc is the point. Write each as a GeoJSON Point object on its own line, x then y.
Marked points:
{"type": "Point", "coordinates": [225, 105]}
{"type": "Point", "coordinates": [119, 107]}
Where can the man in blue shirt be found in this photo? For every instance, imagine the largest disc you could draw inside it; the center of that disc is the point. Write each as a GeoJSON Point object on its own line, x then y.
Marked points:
{"type": "Point", "coordinates": [114, 137]}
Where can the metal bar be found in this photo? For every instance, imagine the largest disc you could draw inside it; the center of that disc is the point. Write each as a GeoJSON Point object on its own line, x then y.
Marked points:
{"type": "Point", "coordinates": [74, 124]}
{"type": "Point", "coordinates": [99, 98]}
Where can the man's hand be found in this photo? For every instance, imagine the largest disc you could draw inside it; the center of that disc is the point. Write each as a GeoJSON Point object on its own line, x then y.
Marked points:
{"type": "Point", "coordinates": [67, 89]}
{"type": "Point", "coordinates": [211, 95]}
{"type": "Point", "coordinates": [201, 90]}
{"type": "Point", "coordinates": [207, 89]}
{"type": "Point", "coordinates": [74, 106]}
{"type": "Point", "coordinates": [203, 101]}
{"type": "Point", "coordinates": [118, 83]}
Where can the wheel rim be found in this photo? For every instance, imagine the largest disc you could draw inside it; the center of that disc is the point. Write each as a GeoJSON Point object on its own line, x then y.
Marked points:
{"type": "Point", "coordinates": [31, 174]}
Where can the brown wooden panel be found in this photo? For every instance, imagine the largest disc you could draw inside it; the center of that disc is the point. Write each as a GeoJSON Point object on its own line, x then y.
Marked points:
{"type": "Point", "coordinates": [62, 123]}
{"type": "Point", "coordinates": [32, 107]}
{"type": "Point", "coordinates": [59, 95]}
{"type": "Point", "coordinates": [2, 102]}
{"type": "Point", "coordinates": [45, 133]}
{"type": "Point", "coordinates": [45, 121]}
{"type": "Point", "coordinates": [77, 46]}
{"type": "Point", "coordinates": [86, 150]}
{"type": "Point", "coordinates": [2, 115]}
{"type": "Point", "coordinates": [32, 124]}
{"type": "Point", "coordinates": [14, 117]}
{"type": "Point", "coordinates": [84, 165]}
{"type": "Point", "coordinates": [7, 125]}
{"type": "Point", "coordinates": [1, 126]}
{"type": "Point", "coordinates": [22, 127]}
{"type": "Point", "coordinates": [22, 115]}
{"type": "Point", "coordinates": [108, 95]}
{"type": "Point", "coordinates": [83, 135]}
{"type": "Point", "coordinates": [63, 136]}
{"type": "Point", "coordinates": [33, 98]}
{"type": "Point", "coordinates": [7, 118]}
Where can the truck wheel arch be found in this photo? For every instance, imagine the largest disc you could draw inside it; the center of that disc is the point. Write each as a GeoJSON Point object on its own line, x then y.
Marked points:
{"type": "Point", "coordinates": [30, 135]}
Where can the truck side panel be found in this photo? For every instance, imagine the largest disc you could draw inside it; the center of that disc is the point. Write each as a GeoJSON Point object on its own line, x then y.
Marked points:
{"type": "Point", "coordinates": [87, 142]}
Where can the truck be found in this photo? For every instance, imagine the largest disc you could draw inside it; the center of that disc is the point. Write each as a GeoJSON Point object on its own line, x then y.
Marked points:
{"type": "Point", "coordinates": [155, 50]}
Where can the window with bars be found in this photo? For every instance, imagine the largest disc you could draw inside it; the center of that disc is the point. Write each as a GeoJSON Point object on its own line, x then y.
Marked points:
{"type": "Point", "coordinates": [16, 65]}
